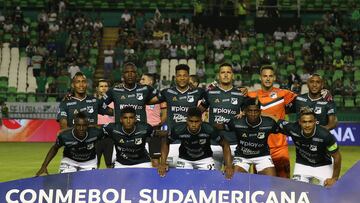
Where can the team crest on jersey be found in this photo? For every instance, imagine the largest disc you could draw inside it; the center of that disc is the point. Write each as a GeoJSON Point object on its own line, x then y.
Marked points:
{"type": "Point", "coordinates": [261, 135]}
{"type": "Point", "coordinates": [174, 98]}
{"type": "Point", "coordinates": [217, 100]}
{"type": "Point", "coordinates": [317, 110]}
{"type": "Point", "coordinates": [122, 97]}
{"type": "Point", "coordinates": [139, 96]}
{"type": "Point", "coordinates": [202, 141]}
{"type": "Point", "coordinates": [313, 148]}
{"type": "Point", "coordinates": [121, 141]}
{"type": "Point", "coordinates": [90, 146]}
{"type": "Point", "coordinates": [234, 101]}
{"type": "Point", "coordinates": [190, 98]}
{"type": "Point", "coordinates": [138, 141]}
{"type": "Point", "coordinates": [90, 109]}
{"type": "Point", "coordinates": [273, 95]}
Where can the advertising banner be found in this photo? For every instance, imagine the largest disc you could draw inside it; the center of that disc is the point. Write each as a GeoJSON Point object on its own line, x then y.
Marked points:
{"type": "Point", "coordinates": [38, 110]}
{"type": "Point", "coordinates": [145, 186]}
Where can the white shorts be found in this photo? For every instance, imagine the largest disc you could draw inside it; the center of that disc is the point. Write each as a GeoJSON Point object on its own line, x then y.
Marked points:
{"type": "Point", "coordinates": [68, 165]}
{"type": "Point", "coordinates": [173, 155]}
{"type": "Point", "coordinates": [218, 155]}
{"type": "Point", "coordinates": [314, 175]}
{"type": "Point", "coordinates": [260, 163]}
{"type": "Point", "coordinates": [203, 164]}
{"type": "Point", "coordinates": [142, 165]}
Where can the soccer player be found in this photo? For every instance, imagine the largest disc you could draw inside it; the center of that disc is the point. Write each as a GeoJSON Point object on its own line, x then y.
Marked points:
{"type": "Point", "coordinates": [79, 147]}
{"type": "Point", "coordinates": [194, 81]}
{"type": "Point", "coordinates": [131, 94]}
{"type": "Point", "coordinates": [224, 102]}
{"type": "Point", "coordinates": [315, 149]}
{"type": "Point", "coordinates": [130, 137]}
{"type": "Point", "coordinates": [252, 132]}
{"type": "Point", "coordinates": [273, 101]}
{"type": "Point", "coordinates": [106, 145]}
{"type": "Point", "coordinates": [176, 102]}
{"type": "Point", "coordinates": [325, 111]}
{"type": "Point", "coordinates": [195, 151]}
{"type": "Point", "coordinates": [152, 111]}
{"type": "Point", "coordinates": [80, 102]}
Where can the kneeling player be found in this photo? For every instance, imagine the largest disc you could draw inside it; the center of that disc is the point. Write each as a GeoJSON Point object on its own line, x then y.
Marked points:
{"type": "Point", "coordinates": [195, 151]}
{"type": "Point", "coordinates": [315, 149]}
{"type": "Point", "coordinates": [79, 147]}
{"type": "Point", "coordinates": [252, 132]}
{"type": "Point", "coordinates": [130, 137]}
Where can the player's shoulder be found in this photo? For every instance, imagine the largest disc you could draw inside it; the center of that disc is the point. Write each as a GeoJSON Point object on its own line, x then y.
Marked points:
{"type": "Point", "coordinates": [213, 90]}
{"type": "Point", "coordinates": [65, 133]}
{"type": "Point", "coordinates": [322, 132]}
{"type": "Point", "coordinates": [93, 129]}
{"type": "Point", "coordinates": [197, 90]}
{"type": "Point", "coordinates": [143, 125]}
{"type": "Point", "coordinates": [169, 90]}
{"type": "Point", "coordinates": [179, 128]}
{"type": "Point", "coordinates": [267, 120]}
{"type": "Point", "coordinates": [302, 97]}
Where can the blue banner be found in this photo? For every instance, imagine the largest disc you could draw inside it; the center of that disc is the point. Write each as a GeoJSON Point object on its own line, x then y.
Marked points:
{"type": "Point", "coordinates": [347, 134]}
{"type": "Point", "coordinates": [145, 186]}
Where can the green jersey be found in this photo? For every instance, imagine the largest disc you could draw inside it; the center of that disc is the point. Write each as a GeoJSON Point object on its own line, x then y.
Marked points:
{"type": "Point", "coordinates": [179, 102]}
{"type": "Point", "coordinates": [90, 105]}
{"type": "Point", "coordinates": [252, 140]}
{"type": "Point", "coordinates": [311, 151]}
{"type": "Point", "coordinates": [136, 97]}
{"type": "Point", "coordinates": [321, 108]}
{"type": "Point", "coordinates": [223, 105]}
{"type": "Point", "coordinates": [194, 146]}
{"type": "Point", "coordinates": [76, 149]}
{"type": "Point", "coordinates": [130, 147]}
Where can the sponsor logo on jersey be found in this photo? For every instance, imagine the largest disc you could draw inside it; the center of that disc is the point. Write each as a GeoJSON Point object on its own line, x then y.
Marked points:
{"type": "Point", "coordinates": [179, 118]}
{"type": "Point", "coordinates": [313, 148]}
{"type": "Point", "coordinates": [139, 96]}
{"type": "Point", "coordinates": [179, 108]}
{"type": "Point", "coordinates": [202, 141]}
{"type": "Point", "coordinates": [138, 141]}
{"type": "Point", "coordinates": [90, 146]}
{"type": "Point", "coordinates": [315, 139]}
{"type": "Point", "coordinates": [90, 109]}
{"type": "Point", "coordinates": [261, 135]}
{"type": "Point", "coordinates": [224, 111]}
{"type": "Point", "coordinates": [71, 103]}
{"type": "Point", "coordinates": [321, 103]}
{"type": "Point", "coordinates": [273, 95]}
{"type": "Point", "coordinates": [90, 100]}
{"type": "Point", "coordinates": [317, 110]}
{"type": "Point", "coordinates": [234, 101]}
{"type": "Point", "coordinates": [190, 98]}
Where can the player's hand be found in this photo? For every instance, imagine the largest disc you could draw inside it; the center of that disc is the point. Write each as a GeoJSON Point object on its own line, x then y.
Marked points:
{"type": "Point", "coordinates": [326, 94]}
{"type": "Point", "coordinates": [162, 169]}
{"type": "Point", "coordinates": [244, 91]}
{"type": "Point", "coordinates": [239, 115]}
{"type": "Point", "coordinates": [42, 171]}
{"type": "Point", "coordinates": [330, 182]}
{"type": "Point", "coordinates": [229, 172]}
{"type": "Point", "coordinates": [67, 96]}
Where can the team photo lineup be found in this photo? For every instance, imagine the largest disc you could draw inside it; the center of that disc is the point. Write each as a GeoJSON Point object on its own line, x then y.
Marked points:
{"type": "Point", "coordinates": [244, 128]}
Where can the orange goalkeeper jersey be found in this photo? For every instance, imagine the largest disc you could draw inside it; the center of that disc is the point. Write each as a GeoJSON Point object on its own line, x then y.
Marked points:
{"type": "Point", "coordinates": [273, 102]}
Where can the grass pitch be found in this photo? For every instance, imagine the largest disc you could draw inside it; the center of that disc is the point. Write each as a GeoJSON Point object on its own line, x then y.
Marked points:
{"type": "Point", "coordinates": [23, 160]}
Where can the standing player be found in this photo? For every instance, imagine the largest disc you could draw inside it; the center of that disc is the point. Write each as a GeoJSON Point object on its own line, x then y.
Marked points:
{"type": "Point", "coordinates": [224, 102]}
{"type": "Point", "coordinates": [79, 147]}
{"type": "Point", "coordinates": [106, 145]}
{"type": "Point", "coordinates": [195, 151]}
{"type": "Point", "coordinates": [152, 111]}
{"type": "Point", "coordinates": [131, 94]}
{"type": "Point", "coordinates": [176, 102]}
{"type": "Point", "coordinates": [273, 101]}
{"type": "Point", "coordinates": [130, 138]}
{"type": "Point", "coordinates": [325, 111]}
{"type": "Point", "coordinates": [80, 102]}
{"type": "Point", "coordinates": [315, 149]}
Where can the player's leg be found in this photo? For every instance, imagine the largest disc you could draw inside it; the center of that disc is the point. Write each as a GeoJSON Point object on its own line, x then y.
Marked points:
{"type": "Point", "coordinates": [173, 155]}
{"type": "Point", "coordinates": [184, 164]}
{"type": "Point", "coordinates": [264, 165]}
{"type": "Point", "coordinates": [241, 165]}
{"type": "Point", "coordinates": [99, 147]}
{"type": "Point", "coordinates": [314, 175]}
{"type": "Point", "coordinates": [280, 157]}
{"type": "Point", "coordinates": [108, 151]}
{"type": "Point", "coordinates": [204, 164]}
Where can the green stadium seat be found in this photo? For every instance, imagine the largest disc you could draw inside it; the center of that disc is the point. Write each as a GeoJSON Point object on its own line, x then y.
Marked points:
{"type": "Point", "coordinates": [51, 99]}
{"type": "Point", "coordinates": [338, 74]}
{"type": "Point", "coordinates": [338, 99]}
{"type": "Point", "coordinates": [349, 102]}
{"type": "Point", "coordinates": [21, 97]}
{"type": "Point", "coordinates": [31, 97]}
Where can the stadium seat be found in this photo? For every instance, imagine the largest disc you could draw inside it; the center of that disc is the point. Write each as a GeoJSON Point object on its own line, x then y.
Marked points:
{"type": "Point", "coordinates": [349, 102]}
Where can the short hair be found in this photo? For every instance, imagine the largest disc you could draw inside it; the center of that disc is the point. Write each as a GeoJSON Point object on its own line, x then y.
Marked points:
{"type": "Point", "coordinates": [316, 75]}
{"type": "Point", "coordinates": [102, 80]}
{"type": "Point", "coordinates": [194, 111]}
{"type": "Point", "coordinates": [78, 74]}
{"type": "Point", "coordinates": [226, 64]}
{"type": "Point", "coordinates": [306, 111]}
{"type": "Point", "coordinates": [182, 67]}
{"type": "Point", "coordinates": [195, 78]}
{"type": "Point", "coordinates": [266, 67]}
{"type": "Point", "coordinates": [251, 102]}
{"type": "Point", "coordinates": [130, 64]}
{"type": "Point", "coordinates": [128, 109]}
{"type": "Point", "coordinates": [80, 115]}
{"type": "Point", "coordinates": [151, 76]}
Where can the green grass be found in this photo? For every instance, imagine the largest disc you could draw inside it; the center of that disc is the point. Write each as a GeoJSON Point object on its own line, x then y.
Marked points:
{"type": "Point", "coordinates": [23, 160]}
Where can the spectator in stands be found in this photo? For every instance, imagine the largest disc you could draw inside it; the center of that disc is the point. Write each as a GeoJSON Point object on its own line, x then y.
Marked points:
{"type": "Point", "coordinates": [41, 82]}
{"type": "Point", "coordinates": [291, 34]}
{"type": "Point", "coordinates": [50, 67]}
{"type": "Point", "coordinates": [183, 23]}
{"type": "Point", "coordinates": [151, 65]}
{"type": "Point", "coordinates": [317, 51]}
{"type": "Point", "coordinates": [8, 26]}
{"type": "Point", "coordinates": [219, 56]}
{"type": "Point", "coordinates": [338, 64]}
{"type": "Point", "coordinates": [108, 61]}
{"type": "Point", "coordinates": [349, 89]}
{"type": "Point", "coordinates": [63, 82]}
{"type": "Point", "coordinates": [126, 18]}
{"type": "Point", "coordinates": [88, 70]}
{"type": "Point", "coordinates": [279, 34]}
{"type": "Point", "coordinates": [296, 87]}
{"type": "Point", "coordinates": [337, 87]}
{"type": "Point", "coordinates": [36, 62]}
{"type": "Point", "coordinates": [73, 69]}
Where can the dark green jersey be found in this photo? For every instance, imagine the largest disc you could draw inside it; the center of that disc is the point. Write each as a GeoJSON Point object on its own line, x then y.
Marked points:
{"type": "Point", "coordinates": [223, 105]}
{"type": "Point", "coordinates": [130, 148]}
{"type": "Point", "coordinates": [136, 97]}
{"type": "Point", "coordinates": [321, 108]}
{"type": "Point", "coordinates": [76, 149]}
{"type": "Point", "coordinates": [311, 151]}
{"type": "Point", "coordinates": [179, 102]}
{"type": "Point", "coordinates": [194, 146]}
{"type": "Point", "coordinates": [252, 140]}
{"type": "Point", "coordinates": [89, 105]}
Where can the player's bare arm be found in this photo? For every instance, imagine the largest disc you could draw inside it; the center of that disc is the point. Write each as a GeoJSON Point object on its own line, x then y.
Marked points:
{"type": "Point", "coordinates": [50, 155]}
{"type": "Point", "coordinates": [336, 172]}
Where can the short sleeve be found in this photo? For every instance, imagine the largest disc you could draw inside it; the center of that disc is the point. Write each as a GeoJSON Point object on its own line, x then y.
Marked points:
{"type": "Point", "coordinates": [62, 112]}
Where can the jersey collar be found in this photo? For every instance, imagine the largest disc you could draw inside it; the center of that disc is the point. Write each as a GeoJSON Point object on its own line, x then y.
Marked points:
{"type": "Point", "coordinates": [313, 99]}
{"type": "Point", "coordinates": [122, 128]}
{"type": "Point", "coordinates": [182, 92]}
{"type": "Point", "coordinates": [79, 98]}
{"type": "Point", "coordinates": [253, 126]}
{"type": "Point", "coordinates": [224, 89]}
{"type": "Point", "coordinates": [132, 88]}
{"type": "Point", "coordinates": [72, 132]}
{"type": "Point", "coordinates": [193, 133]}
